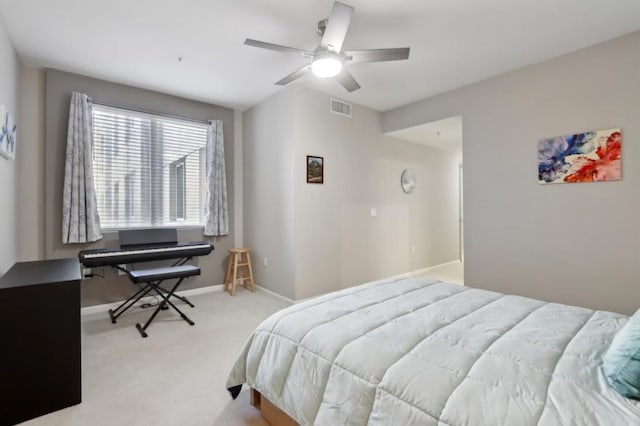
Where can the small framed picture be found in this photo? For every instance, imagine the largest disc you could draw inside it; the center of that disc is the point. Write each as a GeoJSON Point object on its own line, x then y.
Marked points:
{"type": "Point", "coordinates": [315, 169]}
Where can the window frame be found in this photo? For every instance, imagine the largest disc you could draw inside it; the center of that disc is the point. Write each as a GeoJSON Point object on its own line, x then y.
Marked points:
{"type": "Point", "coordinates": [157, 119]}
{"type": "Point", "coordinates": [180, 185]}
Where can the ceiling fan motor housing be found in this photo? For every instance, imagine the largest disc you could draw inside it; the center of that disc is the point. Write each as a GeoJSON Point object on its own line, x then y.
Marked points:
{"type": "Point", "coordinates": [322, 26]}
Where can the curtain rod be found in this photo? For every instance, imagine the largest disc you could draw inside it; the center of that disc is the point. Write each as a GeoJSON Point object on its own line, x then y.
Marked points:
{"type": "Point", "coordinates": [176, 117]}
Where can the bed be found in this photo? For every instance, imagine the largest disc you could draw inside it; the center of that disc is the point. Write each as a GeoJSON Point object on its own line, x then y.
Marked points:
{"type": "Point", "coordinates": [417, 351]}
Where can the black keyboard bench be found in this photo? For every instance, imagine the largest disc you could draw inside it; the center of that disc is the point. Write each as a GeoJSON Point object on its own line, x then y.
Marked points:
{"type": "Point", "coordinates": [153, 278]}
{"type": "Point", "coordinates": [167, 273]}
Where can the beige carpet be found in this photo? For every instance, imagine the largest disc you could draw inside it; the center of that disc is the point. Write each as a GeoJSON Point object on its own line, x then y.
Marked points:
{"type": "Point", "coordinates": [176, 376]}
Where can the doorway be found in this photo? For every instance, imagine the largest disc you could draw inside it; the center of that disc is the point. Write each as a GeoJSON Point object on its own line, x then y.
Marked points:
{"type": "Point", "coordinates": [440, 184]}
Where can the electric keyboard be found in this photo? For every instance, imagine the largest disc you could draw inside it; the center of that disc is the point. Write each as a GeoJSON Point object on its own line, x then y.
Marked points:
{"type": "Point", "coordinates": [110, 257]}
{"type": "Point", "coordinates": [144, 246]}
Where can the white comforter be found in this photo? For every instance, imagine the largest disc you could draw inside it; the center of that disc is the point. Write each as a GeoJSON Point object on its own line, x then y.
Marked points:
{"type": "Point", "coordinates": [421, 352]}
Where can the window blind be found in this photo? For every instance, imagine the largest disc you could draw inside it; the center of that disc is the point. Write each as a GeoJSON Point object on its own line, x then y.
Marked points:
{"type": "Point", "coordinates": [148, 169]}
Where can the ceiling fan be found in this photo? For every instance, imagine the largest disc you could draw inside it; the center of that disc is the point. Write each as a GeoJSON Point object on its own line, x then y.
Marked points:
{"type": "Point", "coordinates": [328, 60]}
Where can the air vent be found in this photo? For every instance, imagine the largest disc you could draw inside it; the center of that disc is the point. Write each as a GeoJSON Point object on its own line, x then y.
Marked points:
{"type": "Point", "coordinates": [340, 107]}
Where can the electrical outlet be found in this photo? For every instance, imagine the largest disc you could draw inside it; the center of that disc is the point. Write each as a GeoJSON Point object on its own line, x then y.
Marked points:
{"type": "Point", "coordinates": [86, 274]}
{"type": "Point", "coordinates": [413, 249]}
{"type": "Point", "coordinates": [374, 212]}
{"type": "Point", "coordinates": [265, 262]}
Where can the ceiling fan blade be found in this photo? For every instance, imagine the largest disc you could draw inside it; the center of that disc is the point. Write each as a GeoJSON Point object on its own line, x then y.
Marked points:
{"type": "Point", "coordinates": [277, 47]}
{"type": "Point", "coordinates": [377, 55]}
{"type": "Point", "coordinates": [337, 27]}
{"type": "Point", "coordinates": [295, 75]}
{"type": "Point", "coordinates": [346, 79]}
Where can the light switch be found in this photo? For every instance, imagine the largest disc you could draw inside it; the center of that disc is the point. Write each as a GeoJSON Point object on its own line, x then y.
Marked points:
{"type": "Point", "coordinates": [374, 212]}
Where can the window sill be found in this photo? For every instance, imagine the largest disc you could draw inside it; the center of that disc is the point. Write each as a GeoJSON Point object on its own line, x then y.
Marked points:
{"type": "Point", "coordinates": [178, 227]}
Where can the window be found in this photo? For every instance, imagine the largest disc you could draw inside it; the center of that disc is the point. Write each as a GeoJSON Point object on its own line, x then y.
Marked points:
{"type": "Point", "coordinates": [157, 161]}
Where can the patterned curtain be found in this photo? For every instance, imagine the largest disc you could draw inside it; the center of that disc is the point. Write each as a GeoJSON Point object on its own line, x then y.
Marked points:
{"type": "Point", "coordinates": [80, 220]}
{"type": "Point", "coordinates": [216, 214]}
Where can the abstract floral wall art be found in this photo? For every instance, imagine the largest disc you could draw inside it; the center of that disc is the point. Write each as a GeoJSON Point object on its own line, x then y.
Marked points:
{"type": "Point", "coordinates": [7, 134]}
{"type": "Point", "coordinates": [583, 157]}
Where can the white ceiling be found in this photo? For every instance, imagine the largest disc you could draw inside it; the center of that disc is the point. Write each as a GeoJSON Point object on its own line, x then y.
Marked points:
{"type": "Point", "coordinates": [453, 42]}
{"type": "Point", "coordinates": [443, 134]}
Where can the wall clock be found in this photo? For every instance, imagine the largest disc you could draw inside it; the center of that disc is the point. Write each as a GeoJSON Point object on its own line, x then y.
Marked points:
{"type": "Point", "coordinates": [408, 181]}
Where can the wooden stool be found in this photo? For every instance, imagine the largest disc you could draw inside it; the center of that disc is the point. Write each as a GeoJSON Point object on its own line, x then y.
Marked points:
{"type": "Point", "coordinates": [245, 273]}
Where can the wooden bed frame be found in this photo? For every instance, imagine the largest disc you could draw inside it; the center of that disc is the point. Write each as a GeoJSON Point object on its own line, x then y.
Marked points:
{"type": "Point", "coordinates": [272, 414]}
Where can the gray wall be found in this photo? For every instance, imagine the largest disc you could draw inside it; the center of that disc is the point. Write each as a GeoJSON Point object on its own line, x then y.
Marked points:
{"type": "Point", "coordinates": [338, 243]}
{"type": "Point", "coordinates": [268, 152]}
{"type": "Point", "coordinates": [59, 86]}
{"type": "Point", "coordinates": [9, 92]}
{"type": "Point", "coordinates": [30, 166]}
{"type": "Point", "coordinates": [571, 243]}
{"type": "Point", "coordinates": [321, 238]}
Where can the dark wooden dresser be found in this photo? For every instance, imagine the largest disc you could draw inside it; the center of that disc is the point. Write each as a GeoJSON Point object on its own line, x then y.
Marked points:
{"type": "Point", "coordinates": [40, 361]}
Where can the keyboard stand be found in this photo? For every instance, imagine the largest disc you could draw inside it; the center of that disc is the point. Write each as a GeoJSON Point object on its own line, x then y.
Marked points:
{"type": "Point", "coordinates": [153, 278]}
{"type": "Point", "coordinates": [114, 314]}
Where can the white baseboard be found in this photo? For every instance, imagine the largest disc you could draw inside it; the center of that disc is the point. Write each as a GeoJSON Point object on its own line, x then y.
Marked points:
{"type": "Point", "coordinates": [423, 271]}
{"type": "Point", "coordinates": [201, 290]}
{"type": "Point", "coordinates": [416, 273]}
{"type": "Point", "coordinates": [286, 299]}
{"type": "Point", "coordinates": [219, 287]}
{"type": "Point", "coordinates": [87, 310]}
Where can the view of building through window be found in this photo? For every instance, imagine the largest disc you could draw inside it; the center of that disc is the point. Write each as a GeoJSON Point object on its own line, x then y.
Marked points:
{"type": "Point", "coordinates": [148, 169]}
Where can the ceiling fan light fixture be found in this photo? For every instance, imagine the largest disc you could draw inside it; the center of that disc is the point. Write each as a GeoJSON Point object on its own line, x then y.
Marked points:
{"type": "Point", "coordinates": [326, 66]}
{"type": "Point", "coordinates": [328, 59]}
